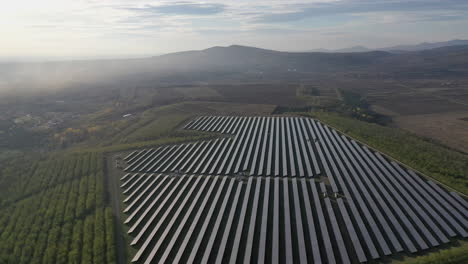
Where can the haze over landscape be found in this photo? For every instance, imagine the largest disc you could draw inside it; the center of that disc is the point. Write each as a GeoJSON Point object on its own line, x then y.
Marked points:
{"type": "Point", "coordinates": [269, 131]}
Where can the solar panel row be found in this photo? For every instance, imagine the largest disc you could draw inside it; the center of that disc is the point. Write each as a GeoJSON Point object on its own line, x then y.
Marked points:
{"type": "Point", "coordinates": [261, 146]}
{"type": "Point", "coordinates": [378, 208]}
{"type": "Point", "coordinates": [215, 218]}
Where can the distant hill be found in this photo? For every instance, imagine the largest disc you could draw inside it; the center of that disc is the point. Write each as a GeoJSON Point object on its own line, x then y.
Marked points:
{"type": "Point", "coordinates": [237, 63]}
{"type": "Point", "coordinates": [237, 57]}
{"type": "Point", "coordinates": [351, 49]}
{"type": "Point", "coordinates": [440, 62]}
{"type": "Point", "coordinates": [242, 58]}
{"type": "Point", "coordinates": [400, 48]}
{"type": "Point", "coordinates": [427, 45]}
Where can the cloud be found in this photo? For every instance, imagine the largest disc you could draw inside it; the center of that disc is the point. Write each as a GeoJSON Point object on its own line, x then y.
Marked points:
{"type": "Point", "coordinates": [362, 6]}
{"type": "Point", "coordinates": [443, 17]}
{"type": "Point", "coordinates": [114, 26]}
{"type": "Point", "coordinates": [182, 8]}
{"type": "Point", "coordinates": [256, 31]}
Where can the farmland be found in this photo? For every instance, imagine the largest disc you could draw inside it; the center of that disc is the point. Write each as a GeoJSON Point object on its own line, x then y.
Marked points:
{"type": "Point", "coordinates": [53, 210]}
{"type": "Point", "coordinates": [431, 108]}
{"type": "Point", "coordinates": [270, 183]}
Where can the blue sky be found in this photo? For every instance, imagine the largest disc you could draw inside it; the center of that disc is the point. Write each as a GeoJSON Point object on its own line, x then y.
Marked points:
{"type": "Point", "coordinates": [141, 27]}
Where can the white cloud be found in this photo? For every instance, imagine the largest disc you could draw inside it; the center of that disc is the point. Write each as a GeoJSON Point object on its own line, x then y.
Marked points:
{"type": "Point", "coordinates": [87, 27]}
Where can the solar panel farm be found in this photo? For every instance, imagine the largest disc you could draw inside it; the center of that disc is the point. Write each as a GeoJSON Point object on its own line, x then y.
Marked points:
{"type": "Point", "coordinates": [281, 190]}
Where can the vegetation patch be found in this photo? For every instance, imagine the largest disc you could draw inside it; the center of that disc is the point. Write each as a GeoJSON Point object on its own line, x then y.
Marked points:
{"type": "Point", "coordinates": [457, 255]}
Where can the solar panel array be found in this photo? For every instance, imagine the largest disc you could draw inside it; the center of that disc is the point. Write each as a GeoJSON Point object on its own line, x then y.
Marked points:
{"type": "Point", "coordinates": [363, 207]}
{"type": "Point", "coordinates": [270, 146]}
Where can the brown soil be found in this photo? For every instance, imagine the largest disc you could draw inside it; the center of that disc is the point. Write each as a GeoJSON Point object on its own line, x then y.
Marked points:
{"type": "Point", "coordinates": [447, 128]}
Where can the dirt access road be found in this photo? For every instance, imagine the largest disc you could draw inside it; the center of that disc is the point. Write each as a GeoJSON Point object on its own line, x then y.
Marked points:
{"type": "Point", "coordinates": [112, 178]}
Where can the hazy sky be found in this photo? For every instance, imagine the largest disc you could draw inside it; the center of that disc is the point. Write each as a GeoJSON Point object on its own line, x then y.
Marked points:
{"type": "Point", "coordinates": [142, 27]}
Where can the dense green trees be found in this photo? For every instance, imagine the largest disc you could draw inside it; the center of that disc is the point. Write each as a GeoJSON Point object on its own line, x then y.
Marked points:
{"type": "Point", "coordinates": [53, 210]}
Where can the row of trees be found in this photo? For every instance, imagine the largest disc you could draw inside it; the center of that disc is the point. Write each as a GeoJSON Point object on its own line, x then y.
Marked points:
{"type": "Point", "coordinates": [55, 211]}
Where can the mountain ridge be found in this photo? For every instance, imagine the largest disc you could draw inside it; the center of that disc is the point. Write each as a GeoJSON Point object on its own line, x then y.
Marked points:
{"type": "Point", "coordinates": [238, 62]}
{"type": "Point", "coordinates": [399, 48]}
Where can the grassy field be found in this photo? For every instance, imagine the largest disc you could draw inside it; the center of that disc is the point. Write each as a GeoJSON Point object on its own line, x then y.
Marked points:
{"type": "Point", "coordinates": [449, 128]}
{"type": "Point", "coordinates": [158, 122]}
{"type": "Point", "coordinates": [155, 126]}
{"type": "Point", "coordinates": [454, 255]}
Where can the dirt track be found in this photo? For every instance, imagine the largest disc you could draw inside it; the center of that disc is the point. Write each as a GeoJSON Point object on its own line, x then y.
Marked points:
{"type": "Point", "coordinates": [113, 194]}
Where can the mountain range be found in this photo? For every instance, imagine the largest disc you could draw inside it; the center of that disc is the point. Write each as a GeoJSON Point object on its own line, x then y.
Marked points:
{"type": "Point", "coordinates": [399, 48]}
{"type": "Point", "coordinates": [243, 58]}
{"type": "Point", "coordinates": [236, 63]}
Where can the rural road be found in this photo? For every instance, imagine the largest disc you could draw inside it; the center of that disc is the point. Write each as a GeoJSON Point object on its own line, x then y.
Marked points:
{"type": "Point", "coordinates": [113, 191]}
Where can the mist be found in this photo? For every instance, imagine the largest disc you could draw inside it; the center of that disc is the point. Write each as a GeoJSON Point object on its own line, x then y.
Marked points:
{"type": "Point", "coordinates": [232, 63]}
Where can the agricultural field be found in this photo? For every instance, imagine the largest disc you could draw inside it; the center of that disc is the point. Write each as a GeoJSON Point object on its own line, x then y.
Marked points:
{"type": "Point", "coordinates": [53, 210]}
{"type": "Point", "coordinates": [450, 128]}
{"type": "Point", "coordinates": [281, 190]}
{"type": "Point", "coordinates": [431, 108]}
{"type": "Point", "coordinates": [198, 93]}
{"type": "Point", "coordinates": [318, 95]}
{"type": "Point", "coordinates": [281, 93]}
